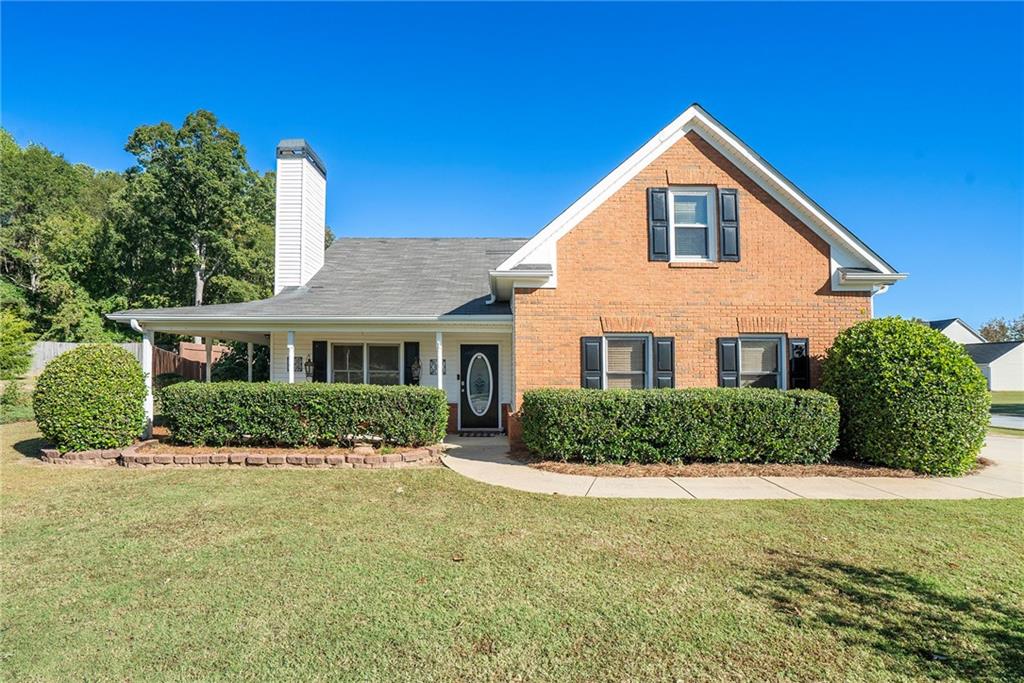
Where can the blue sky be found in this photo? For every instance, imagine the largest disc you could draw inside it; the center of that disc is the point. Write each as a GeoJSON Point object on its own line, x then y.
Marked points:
{"type": "Point", "coordinates": [905, 121]}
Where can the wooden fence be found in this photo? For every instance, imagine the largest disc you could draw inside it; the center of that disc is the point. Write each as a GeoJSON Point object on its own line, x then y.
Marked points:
{"type": "Point", "coordinates": [163, 361]}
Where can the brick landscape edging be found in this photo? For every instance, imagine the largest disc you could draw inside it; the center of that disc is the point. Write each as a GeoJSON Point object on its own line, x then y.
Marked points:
{"type": "Point", "coordinates": [134, 456]}
{"type": "Point", "coordinates": [108, 456]}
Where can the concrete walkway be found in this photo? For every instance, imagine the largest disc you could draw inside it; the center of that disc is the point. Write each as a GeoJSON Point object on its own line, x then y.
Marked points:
{"type": "Point", "coordinates": [486, 459]}
{"type": "Point", "coordinates": [1006, 421]}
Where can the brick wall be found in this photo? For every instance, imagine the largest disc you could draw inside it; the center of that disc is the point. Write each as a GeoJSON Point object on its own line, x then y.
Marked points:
{"type": "Point", "coordinates": [606, 284]}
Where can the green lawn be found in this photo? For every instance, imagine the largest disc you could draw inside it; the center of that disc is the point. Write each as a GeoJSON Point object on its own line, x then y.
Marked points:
{"type": "Point", "coordinates": [1007, 402]}
{"type": "Point", "coordinates": [112, 574]}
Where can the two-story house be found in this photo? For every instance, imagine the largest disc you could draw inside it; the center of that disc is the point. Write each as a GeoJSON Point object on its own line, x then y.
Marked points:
{"type": "Point", "coordinates": [692, 263]}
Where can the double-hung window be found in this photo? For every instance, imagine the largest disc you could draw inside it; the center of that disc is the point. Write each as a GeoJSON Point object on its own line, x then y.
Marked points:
{"type": "Point", "coordinates": [366, 364]}
{"type": "Point", "coordinates": [627, 362]}
{"type": "Point", "coordinates": [761, 361]}
{"type": "Point", "coordinates": [692, 234]}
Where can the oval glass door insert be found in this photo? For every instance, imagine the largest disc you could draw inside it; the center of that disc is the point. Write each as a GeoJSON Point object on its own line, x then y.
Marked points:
{"type": "Point", "coordinates": [479, 384]}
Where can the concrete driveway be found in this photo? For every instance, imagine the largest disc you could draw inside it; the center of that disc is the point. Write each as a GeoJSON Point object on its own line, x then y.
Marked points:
{"type": "Point", "coordinates": [1006, 421]}
{"type": "Point", "coordinates": [486, 459]}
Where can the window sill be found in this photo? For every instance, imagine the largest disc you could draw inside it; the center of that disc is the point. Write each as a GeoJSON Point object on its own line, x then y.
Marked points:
{"type": "Point", "coordinates": [692, 264]}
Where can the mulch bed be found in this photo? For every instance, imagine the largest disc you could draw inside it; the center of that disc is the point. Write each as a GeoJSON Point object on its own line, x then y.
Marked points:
{"type": "Point", "coordinates": [835, 468]}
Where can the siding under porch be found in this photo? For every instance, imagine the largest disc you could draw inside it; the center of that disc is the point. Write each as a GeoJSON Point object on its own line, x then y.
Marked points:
{"type": "Point", "coordinates": [451, 344]}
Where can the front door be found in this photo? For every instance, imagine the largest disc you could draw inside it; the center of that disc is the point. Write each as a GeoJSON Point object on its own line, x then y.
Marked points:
{"type": "Point", "coordinates": [478, 387]}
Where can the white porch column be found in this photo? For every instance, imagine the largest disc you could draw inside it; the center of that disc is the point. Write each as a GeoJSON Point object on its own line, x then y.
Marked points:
{"type": "Point", "coordinates": [439, 349]}
{"type": "Point", "coordinates": [208, 341]}
{"type": "Point", "coordinates": [291, 357]}
{"type": "Point", "coordinates": [147, 369]}
{"type": "Point", "coordinates": [248, 357]}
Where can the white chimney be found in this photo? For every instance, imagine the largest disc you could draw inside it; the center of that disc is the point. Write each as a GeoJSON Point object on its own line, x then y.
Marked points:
{"type": "Point", "coordinates": [300, 219]}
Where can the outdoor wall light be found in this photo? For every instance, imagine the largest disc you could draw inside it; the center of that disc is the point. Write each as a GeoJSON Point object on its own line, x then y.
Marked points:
{"type": "Point", "coordinates": [414, 370]}
{"type": "Point", "coordinates": [308, 367]}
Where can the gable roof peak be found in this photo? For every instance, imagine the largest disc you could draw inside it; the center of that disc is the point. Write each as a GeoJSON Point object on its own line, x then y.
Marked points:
{"type": "Point", "coordinates": [696, 117]}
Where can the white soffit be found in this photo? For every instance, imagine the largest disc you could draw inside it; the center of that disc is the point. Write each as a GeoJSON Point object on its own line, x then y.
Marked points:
{"type": "Point", "coordinates": [730, 146]}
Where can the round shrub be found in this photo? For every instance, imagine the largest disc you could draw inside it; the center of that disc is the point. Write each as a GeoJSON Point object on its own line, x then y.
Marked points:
{"type": "Point", "coordinates": [909, 397]}
{"type": "Point", "coordinates": [91, 397]}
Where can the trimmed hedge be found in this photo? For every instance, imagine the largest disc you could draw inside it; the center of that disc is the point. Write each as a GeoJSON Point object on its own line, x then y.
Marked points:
{"type": "Point", "coordinates": [909, 397]}
{"type": "Point", "coordinates": [272, 414]}
{"type": "Point", "coordinates": [91, 397]}
{"type": "Point", "coordinates": [674, 425]}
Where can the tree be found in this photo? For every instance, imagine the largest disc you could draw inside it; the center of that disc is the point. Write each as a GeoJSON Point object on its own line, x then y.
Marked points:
{"type": "Point", "coordinates": [1000, 329]}
{"type": "Point", "coordinates": [233, 365]}
{"type": "Point", "coordinates": [15, 345]}
{"type": "Point", "coordinates": [195, 218]}
{"type": "Point", "coordinates": [51, 214]}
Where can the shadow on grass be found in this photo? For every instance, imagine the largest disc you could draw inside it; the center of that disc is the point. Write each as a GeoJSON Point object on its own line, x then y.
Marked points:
{"type": "Point", "coordinates": [30, 448]}
{"type": "Point", "coordinates": [928, 631]}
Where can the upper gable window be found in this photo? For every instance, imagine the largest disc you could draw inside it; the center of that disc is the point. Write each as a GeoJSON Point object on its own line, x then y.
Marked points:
{"type": "Point", "coordinates": [693, 216]}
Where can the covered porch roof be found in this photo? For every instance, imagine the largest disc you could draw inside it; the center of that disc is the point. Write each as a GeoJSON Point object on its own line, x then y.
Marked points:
{"type": "Point", "coordinates": [412, 283]}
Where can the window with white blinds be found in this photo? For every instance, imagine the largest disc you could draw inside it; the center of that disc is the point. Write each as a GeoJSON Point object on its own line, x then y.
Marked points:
{"type": "Point", "coordinates": [760, 362]}
{"type": "Point", "coordinates": [693, 213]}
{"type": "Point", "coordinates": [626, 363]}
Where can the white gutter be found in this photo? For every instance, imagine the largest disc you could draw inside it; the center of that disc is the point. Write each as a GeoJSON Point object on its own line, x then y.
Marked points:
{"type": "Point", "coordinates": [867, 277]}
{"type": "Point", "coordinates": [510, 279]}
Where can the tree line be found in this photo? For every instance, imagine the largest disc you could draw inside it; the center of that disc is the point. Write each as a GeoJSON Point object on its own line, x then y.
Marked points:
{"type": "Point", "coordinates": [190, 222]}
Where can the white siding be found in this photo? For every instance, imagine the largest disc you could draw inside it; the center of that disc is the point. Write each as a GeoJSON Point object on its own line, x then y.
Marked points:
{"type": "Point", "coordinates": [1006, 373]}
{"type": "Point", "coordinates": [299, 226]}
{"type": "Point", "coordinates": [961, 334]}
{"type": "Point", "coordinates": [452, 341]}
{"type": "Point", "coordinates": [288, 224]}
{"type": "Point", "coordinates": [314, 191]}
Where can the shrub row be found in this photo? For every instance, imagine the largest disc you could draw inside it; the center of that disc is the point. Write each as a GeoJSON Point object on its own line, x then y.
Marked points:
{"type": "Point", "coordinates": [674, 425]}
{"type": "Point", "coordinates": [910, 397]}
{"type": "Point", "coordinates": [271, 414]}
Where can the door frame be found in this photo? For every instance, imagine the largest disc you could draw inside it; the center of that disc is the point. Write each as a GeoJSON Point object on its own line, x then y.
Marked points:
{"type": "Point", "coordinates": [496, 387]}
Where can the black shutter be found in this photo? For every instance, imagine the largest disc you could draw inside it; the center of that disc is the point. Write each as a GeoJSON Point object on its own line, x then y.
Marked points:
{"type": "Point", "coordinates": [319, 361]}
{"type": "Point", "coordinates": [412, 352]}
{"type": "Point", "coordinates": [664, 362]}
{"type": "Point", "coordinates": [729, 225]}
{"type": "Point", "coordinates": [728, 362]}
{"type": "Point", "coordinates": [590, 362]}
{"type": "Point", "coordinates": [657, 224]}
{"type": "Point", "coordinates": [799, 364]}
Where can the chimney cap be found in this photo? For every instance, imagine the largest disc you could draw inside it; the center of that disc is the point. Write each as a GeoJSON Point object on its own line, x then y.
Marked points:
{"type": "Point", "coordinates": [291, 148]}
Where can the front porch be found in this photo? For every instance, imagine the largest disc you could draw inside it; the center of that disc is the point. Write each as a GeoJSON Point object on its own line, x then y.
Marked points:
{"type": "Point", "coordinates": [379, 352]}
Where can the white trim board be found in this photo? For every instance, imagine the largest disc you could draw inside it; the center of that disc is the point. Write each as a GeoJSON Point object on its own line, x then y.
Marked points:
{"type": "Point", "coordinates": [542, 247]}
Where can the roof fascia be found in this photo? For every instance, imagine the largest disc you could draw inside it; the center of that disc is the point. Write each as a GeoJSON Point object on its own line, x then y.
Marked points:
{"type": "Point", "coordinates": [299, 319]}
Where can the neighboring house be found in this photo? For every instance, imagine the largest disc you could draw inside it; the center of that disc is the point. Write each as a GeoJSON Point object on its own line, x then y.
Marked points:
{"type": "Point", "coordinates": [693, 263]}
{"type": "Point", "coordinates": [957, 330]}
{"type": "Point", "coordinates": [197, 352]}
{"type": "Point", "coordinates": [1002, 363]}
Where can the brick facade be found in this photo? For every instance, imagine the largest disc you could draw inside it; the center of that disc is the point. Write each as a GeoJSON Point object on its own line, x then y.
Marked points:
{"type": "Point", "coordinates": [607, 284]}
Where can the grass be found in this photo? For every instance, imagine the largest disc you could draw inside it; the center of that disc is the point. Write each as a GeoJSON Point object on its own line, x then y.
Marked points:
{"type": "Point", "coordinates": [1006, 431]}
{"type": "Point", "coordinates": [423, 575]}
{"type": "Point", "coordinates": [22, 413]}
{"type": "Point", "coordinates": [1008, 402]}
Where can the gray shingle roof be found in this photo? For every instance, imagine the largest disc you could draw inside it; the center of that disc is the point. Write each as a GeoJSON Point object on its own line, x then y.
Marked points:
{"type": "Point", "coordinates": [986, 353]}
{"type": "Point", "coordinates": [940, 325]}
{"type": "Point", "coordinates": [382, 277]}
